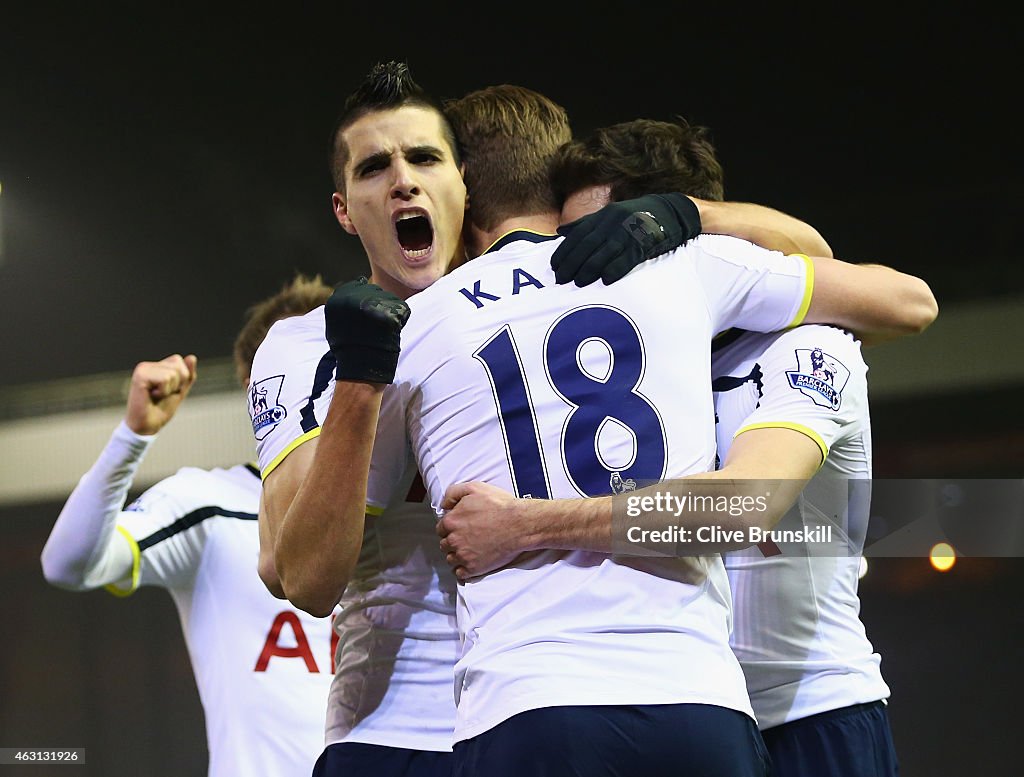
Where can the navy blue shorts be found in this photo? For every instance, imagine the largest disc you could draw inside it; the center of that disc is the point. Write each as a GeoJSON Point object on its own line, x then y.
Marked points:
{"type": "Point", "coordinates": [620, 741]}
{"type": "Point", "coordinates": [355, 759]}
{"type": "Point", "coordinates": [853, 741]}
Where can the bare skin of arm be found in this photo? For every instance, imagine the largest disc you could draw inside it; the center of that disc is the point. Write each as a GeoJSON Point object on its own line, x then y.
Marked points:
{"type": "Point", "coordinates": [285, 484]}
{"type": "Point", "coordinates": [764, 226]}
{"type": "Point", "coordinates": [314, 506]}
{"type": "Point", "coordinates": [874, 302]}
{"type": "Point", "coordinates": [759, 224]}
{"type": "Point", "coordinates": [486, 527]}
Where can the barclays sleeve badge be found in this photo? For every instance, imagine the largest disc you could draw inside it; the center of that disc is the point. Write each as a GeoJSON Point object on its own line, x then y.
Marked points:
{"type": "Point", "coordinates": [264, 409]}
{"type": "Point", "coordinates": [819, 376]}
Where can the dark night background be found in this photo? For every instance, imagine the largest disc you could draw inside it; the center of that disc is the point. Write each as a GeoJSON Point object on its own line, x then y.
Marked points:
{"type": "Point", "coordinates": [163, 169]}
{"type": "Point", "coordinates": [162, 172]}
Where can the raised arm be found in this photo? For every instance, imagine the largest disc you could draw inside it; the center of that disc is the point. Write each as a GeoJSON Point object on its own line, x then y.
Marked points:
{"type": "Point", "coordinates": [315, 510]}
{"type": "Point", "coordinates": [315, 501]}
{"type": "Point", "coordinates": [84, 550]}
{"type": "Point", "coordinates": [276, 496]}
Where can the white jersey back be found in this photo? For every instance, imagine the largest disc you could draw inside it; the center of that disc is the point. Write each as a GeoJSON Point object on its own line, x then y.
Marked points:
{"type": "Point", "coordinates": [797, 630]}
{"type": "Point", "coordinates": [262, 668]}
{"type": "Point", "coordinates": [556, 391]}
{"type": "Point", "coordinates": [397, 639]}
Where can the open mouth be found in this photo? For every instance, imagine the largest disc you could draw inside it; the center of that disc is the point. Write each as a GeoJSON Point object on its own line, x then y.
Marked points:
{"type": "Point", "coordinates": [415, 233]}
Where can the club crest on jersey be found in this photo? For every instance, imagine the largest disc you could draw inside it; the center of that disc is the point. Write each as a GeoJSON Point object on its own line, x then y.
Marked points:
{"type": "Point", "coordinates": [146, 501]}
{"type": "Point", "coordinates": [138, 506]}
{"type": "Point", "coordinates": [820, 376]}
{"type": "Point", "coordinates": [620, 486]}
{"type": "Point", "coordinates": [264, 409]}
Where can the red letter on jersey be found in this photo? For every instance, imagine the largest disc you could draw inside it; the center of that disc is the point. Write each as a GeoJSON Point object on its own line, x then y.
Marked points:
{"type": "Point", "coordinates": [272, 648]}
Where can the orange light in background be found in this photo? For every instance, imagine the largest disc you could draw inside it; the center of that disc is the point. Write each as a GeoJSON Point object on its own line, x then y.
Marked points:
{"type": "Point", "coordinates": [863, 568]}
{"type": "Point", "coordinates": [942, 556]}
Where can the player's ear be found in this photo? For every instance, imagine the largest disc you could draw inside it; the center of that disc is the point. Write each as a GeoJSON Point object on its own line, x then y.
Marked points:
{"type": "Point", "coordinates": [341, 213]}
{"type": "Point", "coordinates": [462, 172]}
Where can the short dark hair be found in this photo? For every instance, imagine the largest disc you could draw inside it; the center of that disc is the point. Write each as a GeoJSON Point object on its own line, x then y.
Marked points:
{"type": "Point", "coordinates": [388, 86]}
{"type": "Point", "coordinates": [641, 157]}
{"type": "Point", "coordinates": [296, 298]}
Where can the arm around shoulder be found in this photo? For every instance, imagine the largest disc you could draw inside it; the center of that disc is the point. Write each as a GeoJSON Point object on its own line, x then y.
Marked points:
{"type": "Point", "coordinates": [875, 302]}
{"type": "Point", "coordinates": [764, 226]}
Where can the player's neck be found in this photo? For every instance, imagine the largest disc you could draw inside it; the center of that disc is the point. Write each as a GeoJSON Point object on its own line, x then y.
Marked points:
{"type": "Point", "coordinates": [479, 240]}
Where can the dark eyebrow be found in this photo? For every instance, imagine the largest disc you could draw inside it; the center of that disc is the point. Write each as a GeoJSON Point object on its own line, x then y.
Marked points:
{"type": "Point", "coordinates": [381, 157]}
{"type": "Point", "coordinates": [424, 150]}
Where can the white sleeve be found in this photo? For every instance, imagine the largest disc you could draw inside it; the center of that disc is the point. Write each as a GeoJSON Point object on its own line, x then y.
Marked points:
{"type": "Point", "coordinates": [749, 287]}
{"type": "Point", "coordinates": [167, 529]}
{"type": "Point", "coordinates": [293, 379]}
{"type": "Point", "coordinates": [291, 387]}
{"type": "Point", "coordinates": [84, 550]}
{"type": "Point", "coordinates": [815, 382]}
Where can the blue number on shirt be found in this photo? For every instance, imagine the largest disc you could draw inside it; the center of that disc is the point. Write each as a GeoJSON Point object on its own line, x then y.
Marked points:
{"type": "Point", "coordinates": [515, 411]}
{"type": "Point", "coordinates": [595, 400]}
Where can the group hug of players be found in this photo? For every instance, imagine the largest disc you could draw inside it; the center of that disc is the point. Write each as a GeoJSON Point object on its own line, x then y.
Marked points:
{"type": "Point", "coordinates": [439, 447]}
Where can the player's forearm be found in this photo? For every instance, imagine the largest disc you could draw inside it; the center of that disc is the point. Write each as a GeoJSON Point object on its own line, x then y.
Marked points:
{"type": "Point", "coordinates": [267, 572]}
{"type": "Point", "coordinates": [83, 550]}
{"type": "Point", "coordinates": [600, 525]}
{"type": "Point", "coordinates": [485, 527]}
{"type": "Point", "coordinates": [320, 537]}
{"type": "Point", "coordinates": [760, 483]}
{"type": "Point", "coordinates": [265, 567]}
{"type": "Point", "coordinates": [564, 524]}
{"type": "Point", "coordinates": [874, 302]}
{"type": "Point", "coordinates": [911, 305]}
{"type": "Point", "coordinates": [762, 476]}
{"type": "Point", "coordinates": [591, 525]}
{"type": "Point", "coordinates": [764, 226]}
{"type": "Point", "coordinates": [712, 512]}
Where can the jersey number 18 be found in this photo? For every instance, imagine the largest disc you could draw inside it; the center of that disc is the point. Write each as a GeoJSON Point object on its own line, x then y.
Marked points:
{"type": "Point", "coordinates": [594, 401]}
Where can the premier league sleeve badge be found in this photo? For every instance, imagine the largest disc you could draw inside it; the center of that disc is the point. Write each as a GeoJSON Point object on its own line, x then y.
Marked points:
{"type": "Point", "coordinates": [264, 407]}
{"type": "Point", "coordinates": [819, 376]}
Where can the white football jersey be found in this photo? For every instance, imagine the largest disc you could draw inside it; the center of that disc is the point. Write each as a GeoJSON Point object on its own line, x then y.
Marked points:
{"type": "Point", "coordinates": [262, 668]}
{"type": "Point", "coordinates": [797, 630]}
{"type": "Point", "coordinates": [557, 391]}
{"type": "Point", "coordinates": [396, 630]}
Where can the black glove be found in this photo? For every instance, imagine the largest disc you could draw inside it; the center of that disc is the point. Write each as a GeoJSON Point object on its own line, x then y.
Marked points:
{"type": "Point", "coordinates": [611, 242]}
{"type": "Point", "coordinates": [364, 330]}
